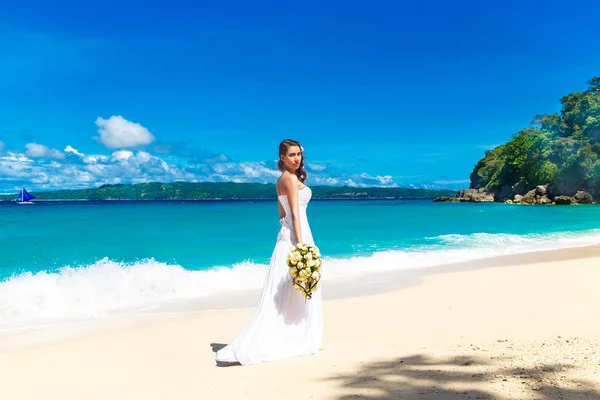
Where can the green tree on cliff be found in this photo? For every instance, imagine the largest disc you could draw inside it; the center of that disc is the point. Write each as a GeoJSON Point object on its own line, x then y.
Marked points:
{"type": "Point", "coordinates": [561, 149]}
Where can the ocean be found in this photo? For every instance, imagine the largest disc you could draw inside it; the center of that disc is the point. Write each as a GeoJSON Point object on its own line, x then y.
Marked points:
{"type": "Point", "coordinates": [62, 261]}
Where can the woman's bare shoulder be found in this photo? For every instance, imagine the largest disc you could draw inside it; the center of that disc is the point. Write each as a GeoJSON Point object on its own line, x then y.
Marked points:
{"type": "Point", "coordinates": [287, 179]}
{"type": "Point", "coordinates": [286, 182]}
{"type": "Point", "coordinates": [290, 181]}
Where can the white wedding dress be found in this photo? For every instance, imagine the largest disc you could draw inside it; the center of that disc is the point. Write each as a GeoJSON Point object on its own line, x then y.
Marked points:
{"type": "Point", "coordinates": [284, 324]}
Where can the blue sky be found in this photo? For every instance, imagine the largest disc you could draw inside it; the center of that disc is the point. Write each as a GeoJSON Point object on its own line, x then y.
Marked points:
{"type": "Point", "coordinates": [379, 93]}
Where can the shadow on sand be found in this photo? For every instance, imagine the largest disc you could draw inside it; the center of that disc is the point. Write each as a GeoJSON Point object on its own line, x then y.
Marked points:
{"type": "Point", "coordinates": [423, 377]}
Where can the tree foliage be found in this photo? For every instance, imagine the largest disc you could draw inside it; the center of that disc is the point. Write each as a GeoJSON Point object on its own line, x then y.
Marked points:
{"type": "Point", "coordinates": [561, 149]}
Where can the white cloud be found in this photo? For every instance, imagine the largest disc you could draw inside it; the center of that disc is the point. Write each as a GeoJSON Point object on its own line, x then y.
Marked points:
{"type": "Point", "coordinates": [385, 180]}
{"type": "Point", "coordinates": [144, 157]}
{"type": "Point", "coordinates": [93, 159]}
{"type": "Point", "coordinates": [48, 169]}
{"type": "Point", "coordinates": [72, 150]}
{"type": "Point", "coordinates": [122, 155]}
{"type": "Point", "coordinates": [240, 172]}
{"type": "Point", "coordinates": [326, 180]}
{"type": "Point", "coordinates": [331, 175]}
{"type": "Point", "coordinates": [77, 156]}
{"type": "Point", "coordinates": [15, 167]}
{"type": "Point", "coordinates": [119, 133]}
{"type": "Point", "coordinates": [316, 167]}
{"type": "Point", "coordinates": [35, 150]}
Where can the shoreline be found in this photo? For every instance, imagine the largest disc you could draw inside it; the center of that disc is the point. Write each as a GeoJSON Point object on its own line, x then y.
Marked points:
{"type": "Point", "coordinates": [373, 284]}
{"type": "Point", "coordinates": [274, 199]}
{"type": "Point", "coordinates": [523, 326]}
{"type": "Point", "coordinates": [236, 288]}
{"type": "Point", "coordinates": [381, 282]}
{"type": "Point", "coordinates": [271, 199]}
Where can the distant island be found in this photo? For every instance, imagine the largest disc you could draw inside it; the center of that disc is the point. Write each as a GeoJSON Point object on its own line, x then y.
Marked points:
{"type": "Point", "coordinates": [223, 191]}
{"type": "Point", "coordinates": [554, 161]}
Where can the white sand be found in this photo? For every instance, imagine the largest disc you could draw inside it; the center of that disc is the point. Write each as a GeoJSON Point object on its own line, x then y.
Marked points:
{"type": "Point", "coordinates": [519, 329]}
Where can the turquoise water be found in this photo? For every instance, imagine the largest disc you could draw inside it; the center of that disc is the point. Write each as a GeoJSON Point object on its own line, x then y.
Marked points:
{"type": "Point", "coordinates": [201, 235]}
{"type": "Point", "coordinates": [84, 258]}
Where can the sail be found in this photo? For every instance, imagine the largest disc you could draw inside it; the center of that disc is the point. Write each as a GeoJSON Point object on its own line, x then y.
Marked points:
{"type": "Point", "coordinates": [25, 196]}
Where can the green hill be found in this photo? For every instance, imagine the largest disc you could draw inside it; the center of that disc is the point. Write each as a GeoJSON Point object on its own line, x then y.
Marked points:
{"type": "Point", "coordinates": [555, 160]}
{"type": "Point", "coordinates": [223, 191]}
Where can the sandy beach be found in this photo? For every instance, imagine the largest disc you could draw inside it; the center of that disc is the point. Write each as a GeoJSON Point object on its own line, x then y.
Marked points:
{"type": "Point", "coordinates": [516, 327]}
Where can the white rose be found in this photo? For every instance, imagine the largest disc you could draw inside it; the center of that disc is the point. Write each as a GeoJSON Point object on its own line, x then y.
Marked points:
{"type": "Point", "coordinates": [305, 273]}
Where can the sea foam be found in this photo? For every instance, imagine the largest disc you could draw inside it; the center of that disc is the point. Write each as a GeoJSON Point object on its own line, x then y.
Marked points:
{"type": "Point", "coordinates": [108, 288]}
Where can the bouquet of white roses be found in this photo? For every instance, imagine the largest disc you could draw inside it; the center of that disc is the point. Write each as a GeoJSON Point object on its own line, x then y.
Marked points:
{"type": "Point", "coordinates": [305, 268]}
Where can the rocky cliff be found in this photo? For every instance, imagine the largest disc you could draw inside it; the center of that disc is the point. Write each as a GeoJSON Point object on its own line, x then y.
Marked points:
{"type": "Point", "coordinates": [541, 194]}
{"type": "Point", "coordinates": [554, 161]}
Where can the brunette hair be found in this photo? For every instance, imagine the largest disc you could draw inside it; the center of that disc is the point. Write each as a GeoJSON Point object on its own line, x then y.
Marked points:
{"type": "Point", "coordinates": [283, 148]}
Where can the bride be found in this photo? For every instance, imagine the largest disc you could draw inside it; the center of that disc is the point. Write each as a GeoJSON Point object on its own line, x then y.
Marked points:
{"type": "Point", "coordinates": [284, 324]}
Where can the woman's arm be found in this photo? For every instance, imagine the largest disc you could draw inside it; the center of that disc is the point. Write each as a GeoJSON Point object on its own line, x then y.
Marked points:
{"type": "Point", "coordinates": [291, 187]}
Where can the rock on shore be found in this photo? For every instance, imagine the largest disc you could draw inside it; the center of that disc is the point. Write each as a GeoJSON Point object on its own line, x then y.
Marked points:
{"type": "Point", "coordinates": [542, 194]}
